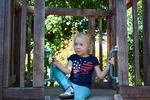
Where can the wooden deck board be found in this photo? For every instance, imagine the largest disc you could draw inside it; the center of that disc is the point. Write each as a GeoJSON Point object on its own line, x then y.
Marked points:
{"type": "Point", "coordinates": [100, 92]}
{"type": "Point", "coordinates": [48, 93]}
{"type": "Point", "coordinates": [90, 98]}
{"type": "Point", "coordinates": [96, 94]}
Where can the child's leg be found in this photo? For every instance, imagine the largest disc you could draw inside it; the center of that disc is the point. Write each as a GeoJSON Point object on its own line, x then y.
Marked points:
{"type": "Point", "coordinates": [81, 92]}
{"type": "Point", "coordinates": [61, 78]}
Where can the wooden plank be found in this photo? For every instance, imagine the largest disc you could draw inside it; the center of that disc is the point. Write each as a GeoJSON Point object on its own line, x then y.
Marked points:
{"type": "Point", "coordinates": [100, 43]}
{"type": "Point", "coordinates": [121, 32]}
{"type": "Point", "coordinates": [146, 41]}
{"type": "Point", "coordinates": [136, 91]}
{"type": "Point", "coordinates": [23, 44]}
{"type": "Point", "coordinates": [94, 92]}
{"type": "Point", "coordinates": [136, 43]}
{"type": "Point", "coordinates": [39, 37]}
{"type": "Point", "coordinates": [7, 44]}
{"type": "Point", "coordinates": [2, 32]}
{"type": "Point", "coordinates": [23, 93]}
{"type": "Point", "coordinates": [71, 11]}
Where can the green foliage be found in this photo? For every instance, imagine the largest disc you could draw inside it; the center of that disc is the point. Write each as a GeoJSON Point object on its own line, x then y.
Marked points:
{"type": "Point", "coordinates": [57, 30]}
{"type": "Point", "coordinates": [130, 43]}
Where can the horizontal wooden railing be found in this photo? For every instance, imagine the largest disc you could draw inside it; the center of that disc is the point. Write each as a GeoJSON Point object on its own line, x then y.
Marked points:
{"type": "Point", "coordinates": [71, 11]}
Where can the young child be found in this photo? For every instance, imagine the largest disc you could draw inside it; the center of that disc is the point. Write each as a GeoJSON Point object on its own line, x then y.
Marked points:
{"type": "Point", "coordinates": [80, 67]}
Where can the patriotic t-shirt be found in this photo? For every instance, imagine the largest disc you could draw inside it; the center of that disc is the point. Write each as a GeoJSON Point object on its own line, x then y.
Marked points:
{"type": "Point", "coordinates": [82, 69]}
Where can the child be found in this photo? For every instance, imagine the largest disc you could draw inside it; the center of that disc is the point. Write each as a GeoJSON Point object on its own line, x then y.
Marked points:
{"type": "Point", "coordinates": [80, 67]}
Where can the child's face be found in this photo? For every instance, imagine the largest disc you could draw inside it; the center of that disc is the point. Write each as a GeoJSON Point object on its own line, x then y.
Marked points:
{"type": "Point", "coordinates": [81, 46]}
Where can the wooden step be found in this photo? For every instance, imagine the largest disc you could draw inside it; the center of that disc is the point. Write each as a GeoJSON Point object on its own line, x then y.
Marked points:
{"type": "Point", "coordinates": [96, 94]}
{"type": "Point", "coordinates": [90, 98]}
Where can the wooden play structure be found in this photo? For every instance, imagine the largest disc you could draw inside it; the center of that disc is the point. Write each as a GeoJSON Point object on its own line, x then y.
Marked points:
{"type": "Point", "coordinates": [14, 32]}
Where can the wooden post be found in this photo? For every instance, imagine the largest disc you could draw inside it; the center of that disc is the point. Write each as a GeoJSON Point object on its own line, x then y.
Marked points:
{"type": "Point", "coordinates": [91, 27]}
{"type": "Point", "coordinates": [38, 61]}
{"type": "Point", "coordinates": [121, 32]}
{"type": "Point", "coordinates": [7, 43]}
{"type": "Point", "coordinates": [146, 41]}
{"type": "Point", "coordinates": [100, 43]}
{"type": "Point", "coordinates": [2, 30]}
{"type": "Point", "coordinates": [23, 44]}
{"type": "Point", "coordinates": [136, 44]}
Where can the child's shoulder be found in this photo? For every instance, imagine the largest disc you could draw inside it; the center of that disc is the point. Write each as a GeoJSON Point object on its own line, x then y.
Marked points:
{"type": "Point", "coordinates": [73, 56]}
{"type": "Point", "coordinates": [92, 56]}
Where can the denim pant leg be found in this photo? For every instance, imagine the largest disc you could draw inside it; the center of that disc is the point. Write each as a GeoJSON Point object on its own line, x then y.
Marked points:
{"type": "Point", "coordinates": [61, 78]}
{"type": "Point", "coordinates": [81, 92]}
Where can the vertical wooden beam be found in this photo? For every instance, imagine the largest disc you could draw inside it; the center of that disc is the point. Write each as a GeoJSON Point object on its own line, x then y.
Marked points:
{"type": "Point", "coordinates": [136, 44]}
{"type": "Point", "coordinates": [91, 27]}
{"type": "Point", "coordinates": [29, 49]}
{"type": "Point", "coordinates": [146, 41]}
{"type": "Point", "coordinates": [113, 37]}
{"type": "Point", "coordinates": [112, 23]}
{"type": "Point", "coordinates": [17, 45]}
{"type": "Point", "coordinates": [7, 43]}
{"type": "Point", "coordinates": [108, 36]}
{"type": "Point", "coordinates": [100, 43]}
{"type": "Point", "coordinates": [2, 32]}
{"type": "Point", "coordinates": [121, 32]}
{"type": "Point", "coordinates": [23, 44]}
{"type": "Point", "coordinates": [11, 74]}
{"type": "Point", "coordinates": [91, 32]}
{"type": "Point", "coordinates": [38, 61]}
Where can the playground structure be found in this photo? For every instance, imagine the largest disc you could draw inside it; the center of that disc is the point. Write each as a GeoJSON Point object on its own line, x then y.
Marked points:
{"type": "Point", "coordinates": [13, 36]}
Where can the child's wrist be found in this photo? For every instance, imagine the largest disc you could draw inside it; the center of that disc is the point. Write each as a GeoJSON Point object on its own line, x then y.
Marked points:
{"type": "Point", "coordinates": [107, 65]}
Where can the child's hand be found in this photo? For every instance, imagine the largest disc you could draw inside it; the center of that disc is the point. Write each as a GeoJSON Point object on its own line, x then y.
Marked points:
{"type": "Point", "coordinates": [50, 60]}
{"type": "Point", "coordinates": [53, 60]}
{"type": "Point", "coordinates": [112, 61]}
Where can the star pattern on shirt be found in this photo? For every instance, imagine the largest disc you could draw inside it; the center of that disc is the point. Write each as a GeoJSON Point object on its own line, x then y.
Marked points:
{"type": "Point", "coordinates": [81, 66]}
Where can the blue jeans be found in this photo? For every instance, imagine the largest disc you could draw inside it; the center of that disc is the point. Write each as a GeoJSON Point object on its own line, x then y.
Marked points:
{"type": "Point", "coordinates": [80, 92]}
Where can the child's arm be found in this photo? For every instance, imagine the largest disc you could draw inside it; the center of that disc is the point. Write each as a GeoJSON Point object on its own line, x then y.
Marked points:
{"type": "Point", "coordinates": [103, 73]}
{"type": "Point", "coordinates": [64, 69]}
{"type": "Point", "coordinates": [100, 73]}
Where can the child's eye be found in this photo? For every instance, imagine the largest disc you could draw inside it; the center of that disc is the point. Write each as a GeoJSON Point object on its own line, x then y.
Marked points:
{"type": "Point", "coordinates": [81, 44]}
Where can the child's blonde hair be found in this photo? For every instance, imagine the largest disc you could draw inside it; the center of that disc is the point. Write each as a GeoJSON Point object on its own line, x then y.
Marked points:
{"type": "Point", "coordinates": [86, 36]}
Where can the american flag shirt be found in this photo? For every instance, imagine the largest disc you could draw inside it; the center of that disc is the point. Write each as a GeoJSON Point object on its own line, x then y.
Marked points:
{"type": "Point", "coordinates": [82, 69]}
